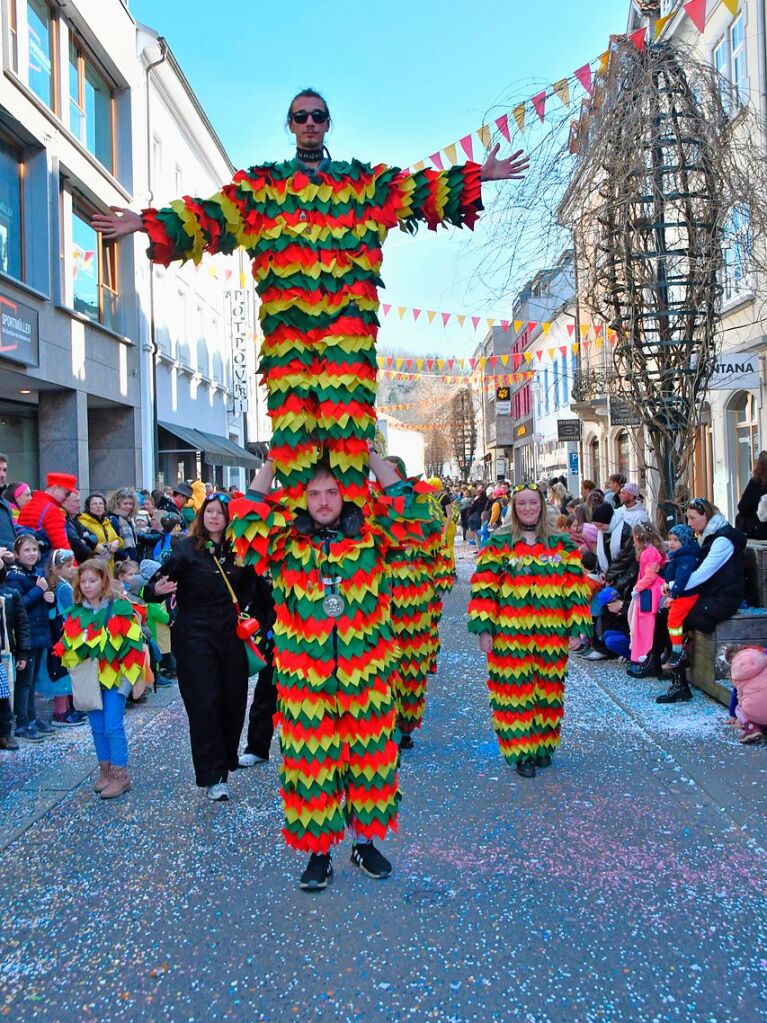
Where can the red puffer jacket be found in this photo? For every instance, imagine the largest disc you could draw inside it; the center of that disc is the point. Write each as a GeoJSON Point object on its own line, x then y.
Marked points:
{"type": "Point", "coordinates": [42, 512]}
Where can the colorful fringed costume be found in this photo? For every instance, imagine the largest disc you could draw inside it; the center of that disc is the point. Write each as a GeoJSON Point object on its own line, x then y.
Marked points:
{"type": "Point", "coordinates": [530, 599]}
{"type": "Point", "coordinates": [117, 642]}
{"type": "Point", "coordinates": [315, 240]}
{"type": "Point", "coordinates": [412, 615]}
{"type": "Point", "coordinates": [333, 674]}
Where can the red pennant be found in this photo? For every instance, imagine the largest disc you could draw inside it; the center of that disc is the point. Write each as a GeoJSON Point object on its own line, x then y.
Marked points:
{"type": "Point", "coordinates": [386, 309]}
{"type": "Point", "coordinates": [539, 354]}
{"type": "Point", "coordinates": [436, 159]}
{"type": "Point", "coordinates": [450, 363]}
{"type": "Point", "coordinates": [539, 104]}
{"type": "Point", "coordinates": [584, 76]}
{"type": "Point", "coordinates": [467, 147]}
{"type": "Point", "coordinates": [517, 358]}
{"type": "Point", "coordinates": [570, 328]}
{"type": "Point", "coordinates": [475, 321]}
{"type": "Point", "coordinates": [696, 12]}
{"type": "Point", "coordinates": [597, 329]}
{"type": "Point", "coordinates": [445, 318]}
{"type": "Point", "coordinates": [502, 124]}
{"type": "Point", "coordinates": [472, 363]}
{"type": "Point", "coordinates": [563, 349]}
{"type": "Point", "coordinates": [531, 326]}
{"type": "Point", "coordinates": [639, 38]}
{"type": "Point", "coordinates": [504, 325]}
{"type": "Point", "coordinates": [430, 364]}
{"type": "Point", "coordinates": [585, 345]}
{"type": "Point", "coordinates": [409, 363]}
{"type": "Point", "coordinates": [492, 359]}
{"type": "Point", "coordinates": [416, 313]}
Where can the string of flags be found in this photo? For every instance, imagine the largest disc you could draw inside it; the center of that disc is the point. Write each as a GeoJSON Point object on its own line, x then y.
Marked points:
{"type": "Point", "coordinates": [492, 380]}
{"type": "Point", "coordinates": [514, 360]}
{"type": "Point", "coordinates": [414, 313]}
{"type": "Point", "coordinates": [697, 12]}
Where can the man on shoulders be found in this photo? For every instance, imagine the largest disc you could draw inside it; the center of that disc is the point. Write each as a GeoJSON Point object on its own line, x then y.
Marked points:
{"type": "Point", "coordinates": [44, 511]}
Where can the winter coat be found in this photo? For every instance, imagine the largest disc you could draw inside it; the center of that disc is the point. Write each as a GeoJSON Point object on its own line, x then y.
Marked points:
{"type": "Point", "coordinates": [749, 676]}
{"type": "Point", "coordinates": [680, 566]}
{"type": "Point", "coordinates": [24, 582]}
{"type": "Point", "coordinates": [721, 595]}
{"type": "Point", "coordinates": [747, 519]}
{"type": "Point", "coordinates": [7, 526]}
{"type": "Point", "coordinates": [623, 570]}
{"type": "Point", "coordinates": [15, 625]}
{"type": "Point", "coordinates": [124, 528]}
{"type": "Point", "coordinates": [42, 513]}
{"type": "Point", "coordinates": [81, 541]}
{"type": "Point", "coordinates": [102, 529]}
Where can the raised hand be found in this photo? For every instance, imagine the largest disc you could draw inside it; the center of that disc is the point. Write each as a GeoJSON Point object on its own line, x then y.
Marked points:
{"type": "Point", "coordinates": [118, 224]}
{"type": "Point", "coordinates": [513, 168]}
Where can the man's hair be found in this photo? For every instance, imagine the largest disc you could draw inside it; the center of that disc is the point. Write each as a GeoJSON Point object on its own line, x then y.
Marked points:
{"type": "Point", "coordinates": [589, 560]}
{"type": "Point", "coordinates": [4, 458]}
{"type": "Point", "coordinates": [588, 485]}
{"type": "Point", "coordinates": [311, 94]}
{"type": "Point", "coordinates": [320, 470]}
{"type": "Point", "coordinates": [617, 477]}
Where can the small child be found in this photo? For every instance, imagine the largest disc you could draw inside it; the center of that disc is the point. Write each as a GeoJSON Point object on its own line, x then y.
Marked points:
{"type": "Point", "coordinates": [683, 557]}
{"type": "Point", "coordinates": [484, 529]}
{"type": "Point", "coordinates": [748, 669]}
{"type": "Point", "coordinates": [170, 523]}
{"type": "Point", "coordinates": [28, 579]}
{"type": "Point", "coordinates": [102, 625]}
{"type": "Point", "coordinates": [57, 683]}
{"type": "Point", "coordinates": [15, 641]}
{"type": "Point", "coordinates": [647, 590]}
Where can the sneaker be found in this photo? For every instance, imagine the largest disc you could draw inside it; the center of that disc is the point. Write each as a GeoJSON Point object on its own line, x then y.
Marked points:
{"type": "Point", "coordinates": [44, 728]}
{"type": "Point", "coordinates": [70, 720]}
{"type": "Point", "coordinates": [543, 758]}
{"type": "Point", "coordinates": [8, 742]}
{"type": "Point", "coordinates": [218, 793]}
{"type": "Point", "coordinates": [370, 860]}
{"type": "Point", "coordinates": [163, 681]}
{"type": "Point", "coordinates": [29, 734]}
{"type": "Point", "coordinates": [583, 651]}
{"type": "Point", "coordinates": [594, 655]}
{"type": "Point", "coordinates": [250, 760]}
{"type": "Point", "coordinates": [751, 733]}
{"type": "Point", "coordinates": [318, 873]}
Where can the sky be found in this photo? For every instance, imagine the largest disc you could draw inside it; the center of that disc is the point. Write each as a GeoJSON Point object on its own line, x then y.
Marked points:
{"type": "Point", "coordinates": [402, 79]}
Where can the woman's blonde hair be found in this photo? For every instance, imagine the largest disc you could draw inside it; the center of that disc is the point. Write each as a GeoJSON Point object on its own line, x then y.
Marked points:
{"type": "Point", "coordinates": [109, 589]}
{"type": "Point", "coordinates": [60, 557]}
{"type": "Point", "coordinates": [515, 528]}
{"type": "Point", "coordinates": [117, 495]}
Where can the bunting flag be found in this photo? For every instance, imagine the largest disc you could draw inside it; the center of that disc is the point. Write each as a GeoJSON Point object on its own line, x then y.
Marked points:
{"type": "Point", "coordinates": [732, 6]}
{"type": "Point", "coordinates": [661, 23]}
{"type": "Point", "coordinates": [464, 379]}
{"type": "Point", "coordinates": [539, 105]}
{"type": "Point", "coordinates": [639, 38]}
{"type": "Point", "coordinates": [696, 12]}
{"type": "Point", "coordinates": [585, 77]}
{"type": "Point", "coordinates": [412, 312]}
{"type": "Point", "coordinates": [562, 92]}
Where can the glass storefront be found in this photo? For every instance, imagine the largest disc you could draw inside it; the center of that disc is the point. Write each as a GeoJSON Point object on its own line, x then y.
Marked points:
{"type": "Point", "coordinates": [19, 441]}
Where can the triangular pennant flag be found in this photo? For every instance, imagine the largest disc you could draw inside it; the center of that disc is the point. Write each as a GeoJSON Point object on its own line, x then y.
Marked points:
{"type": "Point", "coordinates": [539, 104]}
{"type": "Point", "coordinates": [440, 364]}
{"type": "Point", "coordinates": [562, 90]}
{"type": "Point", "coordinates": [475, 321]}
{"type": "Point", "coordinates": [598, 342]}
{"type": "Point", "coordinates": [604, 62]}
{"type": "Point", "coordinates": [408, 363]}
{"type": "Point", "coordinates": [461, 319]}
{"type": "Point", "coordinates": [563, 350]}
{"type": "Point", "coordinates": [531, 326]}
{"type": "Point", "coordinates": [481, 361]}
{"type": "Point", "coordinates": [399, 363]}
{"type": "Point", "coordinates": [517, 359]}
{"type": "Point", "coordinates": [584, 329]}
{"type": "Point", "coordinates": [570, 328]}
{"type": "Point", "coordinates": [445, 319]}
{"type": "Point", "coordinates": [416, 314]}
{"type": "Point", "coordinates": [585, 345]}
{"type": "Point", "coordinates": [492, 359]}
{"type": "Point", "coordinates": [450, 153]}
{"type": "Point", "coordinates": [436, 159]}
{"type": "Point", "coordinates": [528, 356]}
{"type": "Point", "coordinates": [504, 325]}
{"type": "Point", "coordinates": [491, 324]}
{"type": "Point", "coordinates": [539, 354]}
{"type": "Point", "coordinates": [574, 347]}
{"type": "Point", "coordinates": [519, 116]}
{"type": "Point", "coordinates": [472, 363]}
{"type": "Point", "coordinates": [546, 328]}
{"type": "Point", "coordinates": [732, 6]}
{"type": "Point", "coordinates": [639, 37]}
{"type": "Point", "coordinates": [662, 22]}
{"type": "Point", "coordinates": [517, 326]}
{"type": "Point", "coordinates": [430, 314]}
{"type": "Point", "coordinates": [696, 12]}
{"type": "Point", "coordinates": [484, 135]}
{"type": "Point", "coordinates": [583, 74]}
{"type": "Point", "coordinates": [551, 353]}
{"type": "Point", "coordinates": [505, 360]}
{"type": "Point", "coordinates": [450, 363]}
{"type": "Point", "coordinates": [401, 309]}
{"type": "Point", "coordinates": [418, 166]}
{"type": "Point", "coordinates": [467, 147]}
{"type": "Point", "coordinates": [597, 330]}
{"type": "Point", "coordinates": [386, 309]}
{"type": "Point", "coordinates": [430, 364]}
{"type": "Point", "coordinates": [502, 123]}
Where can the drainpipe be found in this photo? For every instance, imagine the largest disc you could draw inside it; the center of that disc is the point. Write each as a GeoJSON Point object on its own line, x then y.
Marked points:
{"type": "Point", "coordinates": [151, 352]}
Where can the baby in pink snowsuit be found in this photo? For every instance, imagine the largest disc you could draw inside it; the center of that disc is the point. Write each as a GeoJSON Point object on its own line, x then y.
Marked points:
{"type": "Point", "coordinates": [748, 669]}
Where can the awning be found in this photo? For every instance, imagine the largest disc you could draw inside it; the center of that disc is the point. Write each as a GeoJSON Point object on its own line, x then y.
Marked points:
{"type": "Point", "coordinates": [214, 449]}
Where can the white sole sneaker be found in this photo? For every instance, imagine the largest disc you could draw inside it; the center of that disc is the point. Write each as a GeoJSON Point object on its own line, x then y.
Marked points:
{"type": "Point", "coordinates": [218, 793]}
{"type": "Point", "coordinates": [250, 760]}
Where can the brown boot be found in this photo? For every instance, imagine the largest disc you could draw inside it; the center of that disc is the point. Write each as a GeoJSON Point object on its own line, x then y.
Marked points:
{"type": "Point", "coordinates": [118, 783]}
{"type": "Point", "coordinates": [103, 779]}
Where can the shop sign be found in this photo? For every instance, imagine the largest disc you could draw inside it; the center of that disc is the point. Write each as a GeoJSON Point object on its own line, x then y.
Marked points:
{"type": "Point", "coordinates": [503, 401]}
{"type": "Point", "coordinates": [568, 429]}
{"type": "Point", "coordinates": [572, 459]}
{"type": "Point", "coordinates": [735, 371]}
{"type": "Point", "coordinates": [19, 334]}
{"type": "Point", "coordinates": [623, 414]}
{"type": "Point", "coordinates": [238, 332]}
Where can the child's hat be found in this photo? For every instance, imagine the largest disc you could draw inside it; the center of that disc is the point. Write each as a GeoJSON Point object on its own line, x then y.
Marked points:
{"type": "Point", "coordinates": [683, 533]}
{"type": "Point", "coordinates": [148, 567]}
{"type": "Point", "coordinates": [608, 595]}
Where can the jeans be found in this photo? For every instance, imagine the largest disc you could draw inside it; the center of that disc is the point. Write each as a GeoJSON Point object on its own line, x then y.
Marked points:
{"type": "Point", "coordinates": [24, 690]}
{"type": "Point", "coordinates": [108, 728]}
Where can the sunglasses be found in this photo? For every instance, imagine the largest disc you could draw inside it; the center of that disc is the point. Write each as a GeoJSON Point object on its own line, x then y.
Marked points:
{"type": "Point", "coordinates": [224, 498]}
{"type": "Point", "coordinates": [524, 486]}
{"type": "Point", "coordinates": [698, 505]}
{"type": "Point", "coordinates": [302, 116]}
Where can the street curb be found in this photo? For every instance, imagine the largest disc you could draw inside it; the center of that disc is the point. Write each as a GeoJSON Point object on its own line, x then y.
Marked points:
{"type": "Point", "coordinates": [49, 788]}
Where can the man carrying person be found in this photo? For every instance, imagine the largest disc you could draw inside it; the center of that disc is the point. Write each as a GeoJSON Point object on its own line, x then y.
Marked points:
{"type": "Point", "coordinates": [44, 511]}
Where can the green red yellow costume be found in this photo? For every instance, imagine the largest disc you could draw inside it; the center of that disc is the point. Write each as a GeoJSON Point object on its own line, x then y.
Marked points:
{"type": "Point", "coordinates": [334, 675]}
{"type": "Point", "coordinates": [530, 599]}
{"type": "Point", "coordinates": [116, 642]}
{"type": "Point", "coordinates": [315, 240]}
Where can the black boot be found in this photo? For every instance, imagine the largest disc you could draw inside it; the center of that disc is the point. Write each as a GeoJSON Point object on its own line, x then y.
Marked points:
{"type": "Point", "coordinates": [644, 669]}
{"type": "Point", "coordinates": [679, 692]}
{"type": "Point", "coordinates": [525, 768]}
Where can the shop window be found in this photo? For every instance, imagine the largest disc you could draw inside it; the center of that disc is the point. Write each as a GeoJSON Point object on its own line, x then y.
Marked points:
{"type": "Point", "coordinates": [622, 450]}
{"type": "Point", "coordinates": [736, 246]}
{"type": "Point", "coordinates": [729, 59]}
{"type": "Point", "coordinates": [11, 170]}
{"type": "Point", "coordinates": [703, 460]}
{"type": "Point", "coordinates": [94, 271]}
{"type": "Point", "coordinates": [91, 106]}
{"type": "Point", "coordinates": [42, 52]}
{"type": "Point", "coordinates": [595, 471]}
{"type": "Point", "coordinates": [744, 425]}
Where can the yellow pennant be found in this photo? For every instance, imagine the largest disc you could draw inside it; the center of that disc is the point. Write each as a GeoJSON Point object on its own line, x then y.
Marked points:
{"type": "Point", "coordinates": [574, 347]}
{"type": "Point", "coordinates": [461, 319]}
{"type": "Point", "coordinates": [481, 362]}
{"type": "Point", "coordinates": [551, 352]}
{"type": "Point", "coordinates": [519, 116]}
{"type": "Point", "coordinates": [505, 360]}
{"type": "Point", "coordinates": [484, 135]}
{"type": "Point", "coordinates": [399, 363]}
{"type": "Point", "coordinates": [562, 90]}
{"type": "Point", "coordinates": [419, 363]}
{"type": "Point", "coordinates": [584, 329]}
{"type": "Point", "coordinates": [661, 22]}
{"type": "Point", "coordinates": [517, 326]}
{"type": "Point", "coordinates": [546, 327]}
{"type": "Point", "coordinates": [732, 6]}
{"type": "Point", "coordinates": [604, 61]}
{"type": "Point", "coordinates": [528, 356]}
{"type": "Point", "coordinates": [430, 314]}
{"type": "Point", "coordinates": [418, 166]}
{"type": "Point", "coordinates": [491, 323]}
{"type": "Point", "coordinates": [599, 342]}
{"type": "Point", "coordinates": [401, 309]}
{"type": "Point", "coordinates": [450, 153]}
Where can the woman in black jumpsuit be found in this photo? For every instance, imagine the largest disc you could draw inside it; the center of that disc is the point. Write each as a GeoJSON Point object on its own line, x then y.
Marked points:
{"type": "Point", "coordinates": [211, 662]}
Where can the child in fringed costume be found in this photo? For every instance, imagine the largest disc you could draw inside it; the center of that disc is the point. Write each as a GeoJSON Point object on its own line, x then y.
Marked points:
{"type": "Point", "coordinates": [103, 626]}
{"type": "Point", "coordinates": [334, 658]}
{"type": "Point", "coordinates": [439, 566]}
{"type": "Point", "coordinates": [528, 600]}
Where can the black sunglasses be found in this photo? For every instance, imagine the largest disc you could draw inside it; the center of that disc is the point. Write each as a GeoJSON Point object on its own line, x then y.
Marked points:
{"type": "Point", "coordinates": [302, 116]}
{"type": "Point", "coordinates": [223, 498]}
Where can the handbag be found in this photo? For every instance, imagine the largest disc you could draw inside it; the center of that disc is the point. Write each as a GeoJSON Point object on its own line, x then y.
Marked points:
{"type": "Point", "coordinates": [246, 629]}
{"type": "Point", "coordinates": [86, 690]}
{"type": "Point", "coordinates": [645, 600]}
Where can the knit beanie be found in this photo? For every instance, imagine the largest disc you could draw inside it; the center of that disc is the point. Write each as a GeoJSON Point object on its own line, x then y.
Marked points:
{"type": "Point", "coordinates": [602, 513]}
{"type": "Point", "coordinates": [683, 533]}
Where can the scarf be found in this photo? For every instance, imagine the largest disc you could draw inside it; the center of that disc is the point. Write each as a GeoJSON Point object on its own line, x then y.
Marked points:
{"type": "Point", "coordinates": [615, 532]}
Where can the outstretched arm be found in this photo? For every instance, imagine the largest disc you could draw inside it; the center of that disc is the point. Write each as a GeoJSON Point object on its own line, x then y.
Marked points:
{"type": "Point", "coordinates": [513, 168]}
{"type": "Point", "coordinates": [385, 472]}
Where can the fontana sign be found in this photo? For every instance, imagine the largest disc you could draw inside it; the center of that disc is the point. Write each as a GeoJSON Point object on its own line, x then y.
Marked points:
{"type": "Point", "coordinates": [735, 371]}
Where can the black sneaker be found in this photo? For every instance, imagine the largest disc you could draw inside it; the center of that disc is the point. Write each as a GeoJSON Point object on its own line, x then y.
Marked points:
{"type": "Point", "coordinates": [679, 692]}
{"type": "Point", "coordinates": [318, 873]}
{"type": "Point", "coordinates": [370, 860]}
{"type": "Point", "coordinates": [543, 759]}
{"type": "Point", "coordinates": [525, 768]}
{"type": "Point", "coordinates": [406, 741]}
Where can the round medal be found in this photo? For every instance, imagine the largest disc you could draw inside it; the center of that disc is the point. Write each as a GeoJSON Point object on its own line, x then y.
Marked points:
{"type": "Point", "coordinates": [333, 605]}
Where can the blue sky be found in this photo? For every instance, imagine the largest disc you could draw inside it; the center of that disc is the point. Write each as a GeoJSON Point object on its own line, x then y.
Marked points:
{"type": "Point", "coordinates": [403, 79]}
